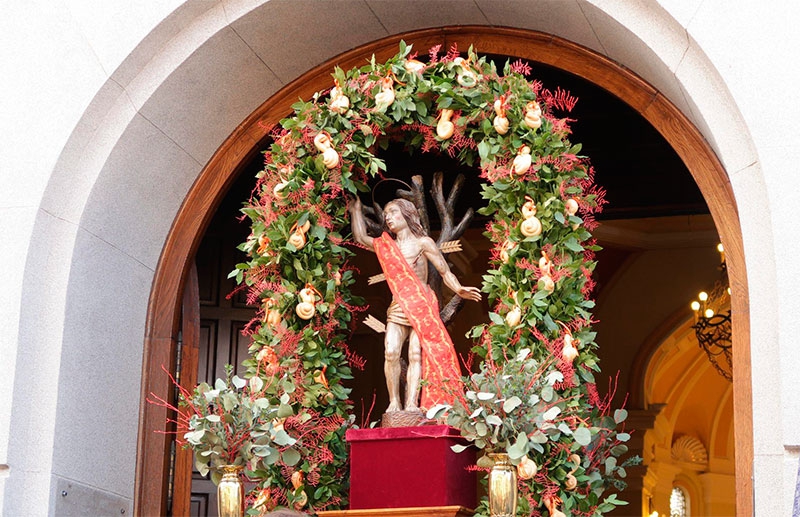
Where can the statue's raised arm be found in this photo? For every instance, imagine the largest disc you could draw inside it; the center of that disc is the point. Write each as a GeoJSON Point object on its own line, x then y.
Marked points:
{"type": "Point", "coordinates": [358, 224]}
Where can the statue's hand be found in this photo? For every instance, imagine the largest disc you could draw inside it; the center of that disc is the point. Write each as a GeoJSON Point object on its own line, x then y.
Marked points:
{"type": "Point", "coordinates": [470, 293]}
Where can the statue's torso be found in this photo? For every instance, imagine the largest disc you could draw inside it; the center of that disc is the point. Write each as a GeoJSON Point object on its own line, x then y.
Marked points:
{"type": "Point", "coordinates": [411, 248]}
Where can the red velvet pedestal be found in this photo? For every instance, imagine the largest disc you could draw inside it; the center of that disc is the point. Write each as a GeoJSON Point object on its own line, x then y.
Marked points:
{"type": "Point", "coordinates": [410, 467]}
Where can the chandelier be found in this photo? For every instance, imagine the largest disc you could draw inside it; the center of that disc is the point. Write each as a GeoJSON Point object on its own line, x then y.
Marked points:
{"type": "Point", "coordinates": [712, 325]}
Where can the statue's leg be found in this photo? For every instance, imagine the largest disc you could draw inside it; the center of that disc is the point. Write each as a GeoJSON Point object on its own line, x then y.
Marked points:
{"type": "Point", "coordinates": [414, 372]}
{"type": "Point", "coordinates": [395, 336]}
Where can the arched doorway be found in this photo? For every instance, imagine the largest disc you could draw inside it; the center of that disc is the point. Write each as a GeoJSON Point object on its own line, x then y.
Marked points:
{"type": "Point", "coordinates": [217, 175]}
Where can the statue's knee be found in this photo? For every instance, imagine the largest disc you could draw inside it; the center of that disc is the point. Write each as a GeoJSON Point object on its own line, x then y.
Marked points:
{"type": "Point", "coordinates": [414, 356]}
{"type": "Point", "coordinates": [392, 355]}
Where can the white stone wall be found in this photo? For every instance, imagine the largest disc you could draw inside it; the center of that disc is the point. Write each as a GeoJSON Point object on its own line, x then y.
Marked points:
{"type": "Point", "coordinates": [114, 107]}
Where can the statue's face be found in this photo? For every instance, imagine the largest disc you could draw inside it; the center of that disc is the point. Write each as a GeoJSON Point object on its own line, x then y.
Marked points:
{"type": "Point", "coordinates": [393, 218]}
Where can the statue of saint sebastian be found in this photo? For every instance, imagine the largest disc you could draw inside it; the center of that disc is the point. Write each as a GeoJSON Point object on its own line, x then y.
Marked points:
{"type": "Point", "coordinates": [413, 314]}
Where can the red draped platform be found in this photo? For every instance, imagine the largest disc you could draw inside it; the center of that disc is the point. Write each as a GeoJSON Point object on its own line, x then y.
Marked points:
{"type": "Point", "coordinates": [411, 468]}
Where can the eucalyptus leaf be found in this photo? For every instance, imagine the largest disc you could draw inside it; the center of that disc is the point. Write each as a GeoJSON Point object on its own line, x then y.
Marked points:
{"type": "Point", "coordinates": [548, 394]}
{"type": "Point", "coordinates": [485, 462]}
{"type": "Point", "coordinates": [610, 464]}
{"type": "Point", "coordinates": [519, 447]}
{"type": "Point", "coordinates": [582, 436]}
{"type": "Point", "coordinates": [202, 468]}
{"type": "Point", "coordinates": [261, 403]}
{"type": "Point", "coordinates": [619, 450]}
{"type": "Point", "coordinates": [284, 410]}
{"type": "Point", "coordinates": [194, 437]}
{"type": "Point", "coordinates": [493, 420]}
{"type": "Point", "coordinates": [551, 413]}
{"type": "Point", "coordinates": [516, 452]}
{"type": "Point", "coordinates": [283, 439]}
{"type": "Point", "coordinates": [264, 450]}
{"type": "Point", "coordinates": [290, 457]}
{"type": "Point", "coordinates": [229, 401]}
{"type": "Point", "coordinates": [523, 354]}
{"type": "Point", "coordinates": [511, 404]}
{"type": "Point", "coordinates": [554, 377]}
{"type": "Point", "coordinates": [238, 382]}
{"type": "Point", "coordinates": [289, 387]}
{"type": "Point", "coordinates": [256, 383]}
{"type": "Point", "coordinates": [538, 437]}
{"type": "Point", "coordinates": [436, 411]}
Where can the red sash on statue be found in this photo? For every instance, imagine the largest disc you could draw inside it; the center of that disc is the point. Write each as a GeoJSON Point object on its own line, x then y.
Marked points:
{"type": "Point", "coordinates": [439, 361]}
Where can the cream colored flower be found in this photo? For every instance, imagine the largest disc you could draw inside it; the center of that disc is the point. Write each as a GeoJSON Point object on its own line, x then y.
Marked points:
{"type": "Point", "coordinates": [526, 468]}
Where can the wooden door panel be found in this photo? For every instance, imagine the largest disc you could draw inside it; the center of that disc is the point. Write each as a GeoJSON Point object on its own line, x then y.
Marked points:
{"type": "Point", "coordinates": [239, 345]}
{"type": "Point", "coordinates": [207, 354]}
{"type": "Point", "coordinates": [182, 500]}
{"type": "Point", "coordinates": [216, 341]}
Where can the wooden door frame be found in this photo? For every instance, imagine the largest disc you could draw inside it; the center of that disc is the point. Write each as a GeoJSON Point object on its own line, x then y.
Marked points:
{"type": "Point", "coordinates": [163, 314]}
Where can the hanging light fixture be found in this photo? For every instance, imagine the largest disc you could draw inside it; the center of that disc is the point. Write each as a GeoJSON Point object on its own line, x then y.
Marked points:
{"type": "Point", "coordinates": [712, 324]}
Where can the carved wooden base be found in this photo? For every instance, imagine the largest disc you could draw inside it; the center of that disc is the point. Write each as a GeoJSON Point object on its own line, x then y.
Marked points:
{"type": "Point", "coordinates": [403, 419]}
{"type": "Point", "coordinates": [430, 511]}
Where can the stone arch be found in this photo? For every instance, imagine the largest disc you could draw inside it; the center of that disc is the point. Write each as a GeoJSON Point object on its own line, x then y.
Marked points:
{"type": "Point", "coordinates": [701, 161]}
{"type": "Point", "coordinates": [119, 192]}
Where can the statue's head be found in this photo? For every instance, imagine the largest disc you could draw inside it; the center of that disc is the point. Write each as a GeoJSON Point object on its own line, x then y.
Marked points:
{"type": "Point", "coordinates": [410, 214]}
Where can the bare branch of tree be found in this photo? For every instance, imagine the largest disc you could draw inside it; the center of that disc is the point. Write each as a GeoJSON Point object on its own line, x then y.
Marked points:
{"type": "Point", "coordinates": [449, 232]}
{"type": "Point", "coordinates": [451, 309]}
{"type": "Point", "coordinates": [446, 208]}
{"type": "Point", "coordinates": [373, 216]}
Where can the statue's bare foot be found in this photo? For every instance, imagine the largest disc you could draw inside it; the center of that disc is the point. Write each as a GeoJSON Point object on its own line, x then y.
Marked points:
{"type": "Point", "coordinates": [393, 407]}
{"type": "Point", "coordinates": [412, 408]}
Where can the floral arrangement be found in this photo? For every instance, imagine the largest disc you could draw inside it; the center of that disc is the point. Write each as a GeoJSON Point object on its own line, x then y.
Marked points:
{"type": "Point", "coordinates": [231, 423]}
{"type": "Point", "coordinates": [541, 198]}
{"type": "Point", "coordinates": [563, 454]}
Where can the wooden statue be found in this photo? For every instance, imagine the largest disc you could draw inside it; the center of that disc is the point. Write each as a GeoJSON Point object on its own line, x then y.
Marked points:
{"type": "Point", "coordinates": [406, 256]}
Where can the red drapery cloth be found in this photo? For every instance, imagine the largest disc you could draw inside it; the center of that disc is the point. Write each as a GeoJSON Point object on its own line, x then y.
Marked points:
{"type": "Point", "coordinates": [439, 362]}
